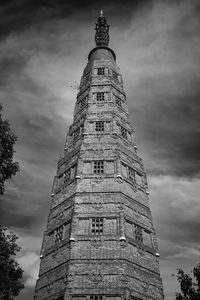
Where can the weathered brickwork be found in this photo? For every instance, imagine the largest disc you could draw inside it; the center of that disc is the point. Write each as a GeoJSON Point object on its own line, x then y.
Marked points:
{"type": "Point", "coordinates": [100, 242]}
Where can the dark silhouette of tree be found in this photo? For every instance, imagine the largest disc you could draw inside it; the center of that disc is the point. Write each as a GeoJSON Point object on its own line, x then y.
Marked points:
{"type": "Point", "coordinates": [8, 168]}
{"type": "Point", "coordinates": [190, 287]}
{"type": "Point", "coordinates": [10, 271]}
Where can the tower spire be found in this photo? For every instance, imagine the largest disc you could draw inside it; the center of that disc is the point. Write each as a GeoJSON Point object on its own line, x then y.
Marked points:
{"type": "Point", "coordinates": [102, 31]}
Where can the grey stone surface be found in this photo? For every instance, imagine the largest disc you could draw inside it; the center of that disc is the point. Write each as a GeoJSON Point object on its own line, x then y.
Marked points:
{"type": "Point", "coordinates": [100, 242]}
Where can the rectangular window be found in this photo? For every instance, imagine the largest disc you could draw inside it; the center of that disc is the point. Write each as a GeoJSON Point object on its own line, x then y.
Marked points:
{"type": "Point", "coordinates": [97, 226]}
{"type": "Point", "coordinates": [76, 133]}
{"type": "Point", "coordinates": [87, 76]}
{"type": "Point", "coordinates": [118, 101]}
{"type": "Point", "coordinates": [138, 234]}
{"type": "Point", "coordinates": [58, 235]}
{"type": "Point", "coordinates": [124, 132]}
{"type": "Point", "coordinates": [115, 75]}
{"type": "Point", "coordinates": [100, 96]}
{"type": "Point", "coordinates": [131, 174]}
{"type": "Point", "coordinates": [100, 71]}
{"type": "Point", "coordinates": [99, 126]}
{"type": "Point", "coordinates": [98, 167]}
{"type": "Point", "coordinates": [67, 176]}
{"type": "Point", "coordinates": [83, 102]}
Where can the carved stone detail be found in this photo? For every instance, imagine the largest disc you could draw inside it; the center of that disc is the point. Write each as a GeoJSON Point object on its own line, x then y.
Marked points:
{"type": "Point", "coordinates": [69, 278]}
{"type": "Point", "coordinates": [97, 205]}
{"type": "Point", "coordinates": [98, 151]}
{"type": "Point", "coordinates": [124, 279]}
{"type": "Point", "coordinates": [96, 242]}
{"type": "Point", "coordinates": [95, 264]}
{"type": "Point", "coordinates": [98, 179]}
{"type": "Point", "coordinates": [146, 286]}
{"type": "Point", "coordinates": [140, 250]}
{"type": "Point", "coordinates": [96, 277]}
{"type": "Point", "coordinates": [120, 205]}
{"type": "Point", "coordinates": [134, 187]}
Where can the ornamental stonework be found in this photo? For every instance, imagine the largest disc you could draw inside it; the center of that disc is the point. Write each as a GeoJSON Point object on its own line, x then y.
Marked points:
{"type": "Point", "coordinates": [100, 243]}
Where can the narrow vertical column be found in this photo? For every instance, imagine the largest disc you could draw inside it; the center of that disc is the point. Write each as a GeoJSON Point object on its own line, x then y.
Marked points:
{"type": "Point", "coordinates": [73, 228]}
{"type": "Point", "coordinates": [121, 227]}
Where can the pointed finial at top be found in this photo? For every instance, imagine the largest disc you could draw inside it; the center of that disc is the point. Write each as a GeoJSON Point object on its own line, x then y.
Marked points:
{"type": "Point", "coordinates": [102, 31]}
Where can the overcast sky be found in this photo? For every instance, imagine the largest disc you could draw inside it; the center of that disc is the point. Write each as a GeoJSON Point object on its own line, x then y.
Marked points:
{"type": "Point", "coordinates": [43, 50]}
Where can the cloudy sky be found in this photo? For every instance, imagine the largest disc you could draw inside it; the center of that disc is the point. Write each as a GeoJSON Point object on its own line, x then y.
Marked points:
{"type": "Point", "coordinates": [43, 50]}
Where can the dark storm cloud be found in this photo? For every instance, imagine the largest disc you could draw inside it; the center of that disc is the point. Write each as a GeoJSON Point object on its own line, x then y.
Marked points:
{"type": "Point", "coordinates": [19, 15]}
{"type": "Point", "coordinates": [42, 53]}
{"type": "Point", "coordinates": [172, 126]}
{"type": "Point", "coordinates": [163, 87]}
{"type": "Point", "coordinates": [26, 200]}
{"type": "Point", "coordinates": [175, 206]}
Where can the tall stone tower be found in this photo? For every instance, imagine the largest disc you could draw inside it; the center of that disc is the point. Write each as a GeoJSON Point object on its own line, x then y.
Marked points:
{"type": "Point", "coordinates": [100, 243]}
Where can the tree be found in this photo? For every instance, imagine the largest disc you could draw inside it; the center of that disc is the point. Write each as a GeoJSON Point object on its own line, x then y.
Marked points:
{"type": "Point", "coordinates": [8, 168]}
{"type": "Point", "coordinates": [10, 271]}
{"type": "Point", "coordinates": [190, 288]}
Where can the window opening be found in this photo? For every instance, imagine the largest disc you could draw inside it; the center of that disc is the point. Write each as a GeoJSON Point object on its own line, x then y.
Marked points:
{"type": "Point", "coordinates": [115, 75]}
{"type": "Point", "coordinates": [100, 96]}
{"type": "Point", "coordinates": [83, 102]}
{"type": "Point", "coordinates": [131, 174]}
{"type": "Point", "coordinates": [58, 235]}
{"type": "Point", "coordinates": [98, 166]}
{"type": "Point", "coordinates": [67, 176]}
{"type": "Point", "coordinates": [138, 233]}
{"type": "Point", "coordinates": [100, 71]}
{"type": "Point", "coordinates": [99, 126]}
{"type": "Point", "coordinates": [97, 226]}
{"type": "Point", "coordinates": [124, 132]}
{"type": "Point", "coordinates": [76, 133]}
{"type": "Point", "coordinates": [87, 76]}
{"type": "Point", "coordinates": [118, 101]}
{"type": "Point", "coordinates": [96, 297]}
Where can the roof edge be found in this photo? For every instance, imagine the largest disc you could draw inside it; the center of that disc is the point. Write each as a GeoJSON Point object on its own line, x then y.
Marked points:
{"type": "Point", "coordinates": [101, 47]}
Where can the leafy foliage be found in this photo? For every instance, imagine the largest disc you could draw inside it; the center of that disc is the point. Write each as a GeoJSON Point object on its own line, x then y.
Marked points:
{"type": "Point", "coordinates": [190, 288]}
{"type": "Point", "coordinates": [10, 271]}
{"type": "Point", "coordinates": [8, 168]}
